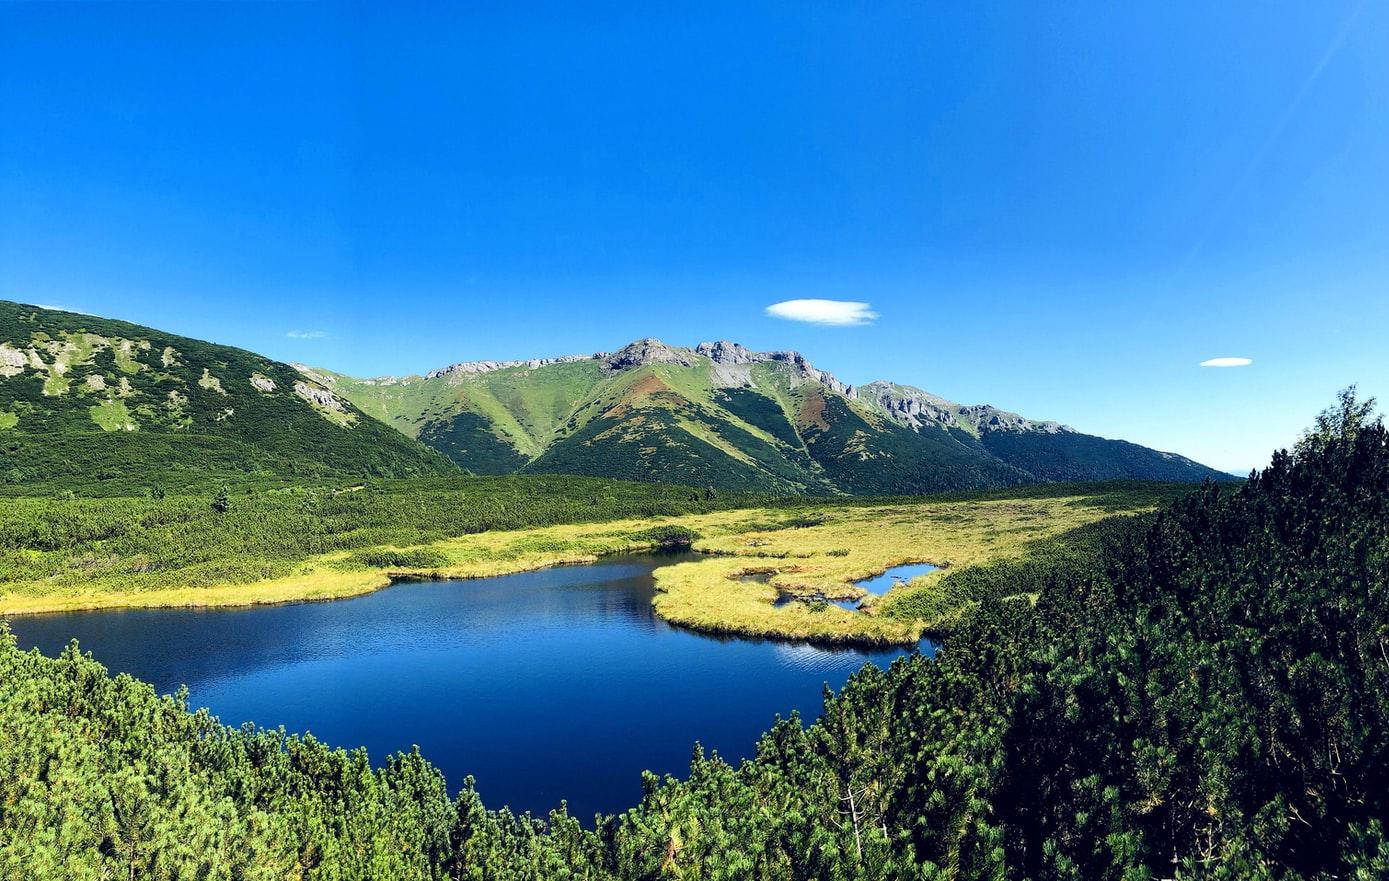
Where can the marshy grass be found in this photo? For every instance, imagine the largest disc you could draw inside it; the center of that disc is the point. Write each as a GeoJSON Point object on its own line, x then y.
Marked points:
{"type": "Point", "coordinates": [805, 553]}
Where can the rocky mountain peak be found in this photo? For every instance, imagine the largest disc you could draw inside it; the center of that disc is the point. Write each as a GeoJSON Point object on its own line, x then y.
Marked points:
{"type": "Point", "coordinates": [640, 353]}
{"type": "Point", "coordinates": [731, 361]}
{"type": "Point", "coordinates": [727, 352]}
{"type": "Point", "coordinates": [911, 406]}
{"type": "Point", "coordinates": [732, 364]}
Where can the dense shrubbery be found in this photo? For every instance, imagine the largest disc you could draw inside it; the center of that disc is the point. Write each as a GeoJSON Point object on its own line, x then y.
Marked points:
{"type": "Point", "coordinates": [1050, 564]}
{"type": "Point", "coordinates": [188, 412]}
{"type": "Point", "coordinates": [162, 540]}
{"type": "Point", "coordinates": [904, 460]}
{"type": "Point", "coordinates": [1201, 694]}
{"type": "Point", "coordinates": [667, 538]}
{"type": "Point", "coordinates": [140, 543]}
{"type": "Point", "coordinates": [664, 450]}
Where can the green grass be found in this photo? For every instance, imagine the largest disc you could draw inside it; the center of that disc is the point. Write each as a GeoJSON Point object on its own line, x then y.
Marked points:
{"type": "Point", "coordinates": [823, 551]}
{"type": "Point", "coordinates": [112, 415]}
{"type": "Point", "coordinates": [297, 542]}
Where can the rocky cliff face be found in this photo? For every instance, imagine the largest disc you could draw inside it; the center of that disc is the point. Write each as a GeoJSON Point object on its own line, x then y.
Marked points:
{"type": "Point", "coordinates": [910, 406]}
{"type": "Point", "coordinates": [726, 354]}
{"type": "Point", "coordinates": [987, 418]}
{"type": "Point", "coordinates": [914, 407]}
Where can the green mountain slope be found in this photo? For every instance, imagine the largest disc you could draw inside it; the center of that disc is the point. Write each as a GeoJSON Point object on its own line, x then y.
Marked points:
{"type": "Point", "coordinates": [722, 416]}
{"type": "Point", "coordinates": [91, 400]}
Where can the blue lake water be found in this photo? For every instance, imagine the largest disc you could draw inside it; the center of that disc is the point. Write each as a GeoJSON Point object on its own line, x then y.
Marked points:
{"type": "Point", "coordinates": [881, 584]}
{"type": "Point", "coordinates": [548, 685]}
{"type": "Point", "coordinates": [878, 584]}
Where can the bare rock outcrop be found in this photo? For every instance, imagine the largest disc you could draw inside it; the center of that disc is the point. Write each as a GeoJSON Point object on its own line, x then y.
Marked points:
{"type": "Point", "coordinates": [12, 360]}
{"type": "Point", "coordinates": [319, 397]}
{"type": "Point", "coordinates": [728, 354]}
{"type": "Point", "coordinates": [640, 353]}
{"type": "Point", "coordinates": [471, 367]}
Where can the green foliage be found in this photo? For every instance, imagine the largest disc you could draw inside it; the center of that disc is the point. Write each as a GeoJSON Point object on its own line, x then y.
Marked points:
{"type": "Point", "coordinates": [144, 543]}
{"type": "Point", "coordinates": [1049, 565]}
{"type": "Point", "coordinates": [221, 503]}
{"type": "Point", "coordinates": [101, 400]}
{"type": "Point", "coordinates": [891, 459]}
{"type": "Point", "coordinates": [1070, 456]}
{"type": "Point", "coordinates": [758, 410]}
{"type": "Point", "coordinates": [658, 446]}
{"type": "Point", "coordinates": [667, 538]}
{"type": "Point", "coordinates": [468, 439]}
{"type": "Point", "coordinates": [1199, 693]}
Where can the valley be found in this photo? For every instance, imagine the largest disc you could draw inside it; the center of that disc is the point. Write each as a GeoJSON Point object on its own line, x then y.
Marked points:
{"type": "Point", "coordinates": [691, 544]}
{"type": "Point", "coordinates": [271, 548]}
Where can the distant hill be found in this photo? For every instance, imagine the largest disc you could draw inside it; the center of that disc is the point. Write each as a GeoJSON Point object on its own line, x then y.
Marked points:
{"type": "Point", "coordinates": [720, 415]}
{"type": "Point", "coordinates": [91, 400]}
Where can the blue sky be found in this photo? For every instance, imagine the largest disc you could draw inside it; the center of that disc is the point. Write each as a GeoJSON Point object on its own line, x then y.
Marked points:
{"type": "Point", "coordinates": [1061, 209]}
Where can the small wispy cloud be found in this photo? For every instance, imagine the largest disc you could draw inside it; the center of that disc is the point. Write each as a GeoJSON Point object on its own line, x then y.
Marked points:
{"type": "Point", "coordinates": [1227, 362]}
{"type": "Point", "coordinates": [307, 334]}
{"type": "Point", "coordinates": [840, 313]}
{"type": "Point", "coordinates": [56, 308]}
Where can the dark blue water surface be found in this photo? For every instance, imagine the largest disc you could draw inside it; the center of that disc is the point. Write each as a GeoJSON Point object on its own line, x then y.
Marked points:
{"type": "Point", "coordinates": [548, 685]}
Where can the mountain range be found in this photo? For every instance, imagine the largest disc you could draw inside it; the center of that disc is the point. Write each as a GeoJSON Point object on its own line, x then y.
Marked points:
{"type": "Point", "coordinates": [723, 416]}
{"type": "Point", "coordinates": [90, 399]}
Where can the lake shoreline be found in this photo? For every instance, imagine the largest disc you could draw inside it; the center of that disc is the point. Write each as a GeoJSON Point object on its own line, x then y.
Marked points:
{"type": "Point", "coordinates": [354, 583]}
{"type": "Point", "coordinates": [806, 556]}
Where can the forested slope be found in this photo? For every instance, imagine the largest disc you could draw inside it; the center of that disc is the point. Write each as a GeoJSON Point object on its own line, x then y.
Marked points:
{"type": "Point", "coordinates": [107, 406]}
{"type": "Point", "coordinates": [1199, 693]}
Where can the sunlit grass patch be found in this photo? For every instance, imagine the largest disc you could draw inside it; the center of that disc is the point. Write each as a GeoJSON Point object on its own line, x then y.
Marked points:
{"type": "Point", "coordinates": [100, 553]}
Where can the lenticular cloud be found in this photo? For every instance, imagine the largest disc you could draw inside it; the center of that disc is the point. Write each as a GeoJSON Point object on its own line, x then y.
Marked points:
{"type": "Point", "coordinates": [1227, 362]}
{"type": "Point", "coordinates": [834, 312]}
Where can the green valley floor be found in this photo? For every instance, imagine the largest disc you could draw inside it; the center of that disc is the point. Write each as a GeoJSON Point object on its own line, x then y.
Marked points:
{"type": "Point", "coordinates": [317, 544]}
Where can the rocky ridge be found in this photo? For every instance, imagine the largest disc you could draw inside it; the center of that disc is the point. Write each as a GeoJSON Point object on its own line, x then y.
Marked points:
{"type": "Point", "coordinates": [732, 363]}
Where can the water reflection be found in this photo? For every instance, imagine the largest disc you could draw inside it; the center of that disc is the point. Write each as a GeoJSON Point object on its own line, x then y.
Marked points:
{"type": "Point", "coordinates": [544, 685]}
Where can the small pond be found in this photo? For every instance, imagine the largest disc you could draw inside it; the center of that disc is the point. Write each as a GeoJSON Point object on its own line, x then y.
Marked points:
{"type": "Point", "coordinates": [543, 685]}
{"type": "Point", "coordinates": [878, 584]}
{"type": "Point", "coordinates": [881, 584]}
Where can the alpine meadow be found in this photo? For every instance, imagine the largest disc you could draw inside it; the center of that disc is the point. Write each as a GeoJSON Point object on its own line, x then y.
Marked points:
{"type": "Point", "coordinates": [739, 442]}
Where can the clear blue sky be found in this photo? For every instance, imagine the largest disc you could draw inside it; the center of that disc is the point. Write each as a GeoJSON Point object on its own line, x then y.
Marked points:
{"type": "Point", "coordinates": [1056, 208]}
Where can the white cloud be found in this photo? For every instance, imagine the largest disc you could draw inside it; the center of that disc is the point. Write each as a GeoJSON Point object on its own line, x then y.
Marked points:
{"type": "Point", "coordinates": [53, 308]}
{"type": "Point", "coordinates": [307, 334]}
{"type": "Point", "coordinates": [841, 313]}
{"type": "Point", "coordinates": [1227, 362]}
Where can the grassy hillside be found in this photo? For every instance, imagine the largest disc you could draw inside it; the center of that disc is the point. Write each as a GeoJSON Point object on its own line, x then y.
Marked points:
{"type": "Point", "coordinates": [87, 400]}
{"type": "Point", "coordinates": [724, 417]}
